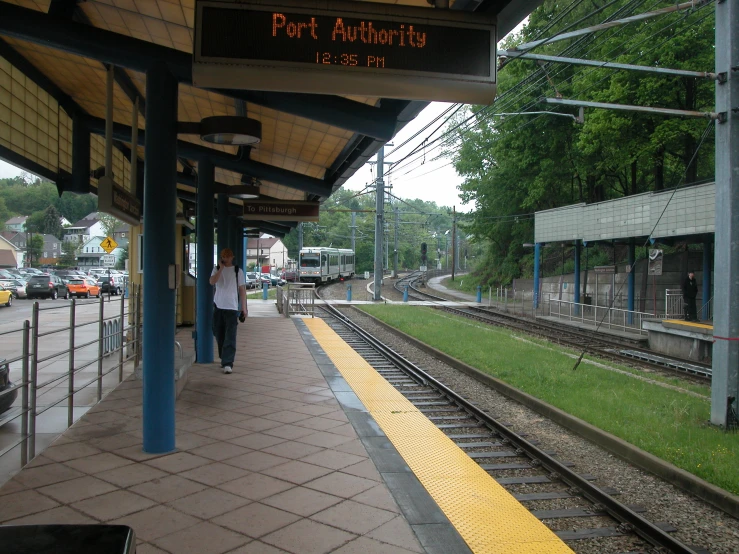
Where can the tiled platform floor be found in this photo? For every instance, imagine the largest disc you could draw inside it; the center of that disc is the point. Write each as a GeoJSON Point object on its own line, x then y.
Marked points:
{"type": "Point", "coordinates": [267, 462]}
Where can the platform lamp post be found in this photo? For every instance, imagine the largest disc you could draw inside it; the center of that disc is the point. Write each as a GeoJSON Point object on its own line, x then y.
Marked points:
{"type": "Point", "coordinates": [446, 249]}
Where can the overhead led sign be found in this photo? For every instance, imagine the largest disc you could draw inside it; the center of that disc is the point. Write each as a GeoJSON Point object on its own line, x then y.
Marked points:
{"type": "Point", "coordinates": [357, 48]}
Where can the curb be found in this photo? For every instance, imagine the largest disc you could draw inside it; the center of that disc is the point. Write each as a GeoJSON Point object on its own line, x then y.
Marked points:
{"type": "Point", "coordinates": [716, 496]}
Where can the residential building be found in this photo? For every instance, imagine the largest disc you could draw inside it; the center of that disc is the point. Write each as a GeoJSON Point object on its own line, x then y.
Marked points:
{"type": "Point", "coordinates": [266, 250]}
{"type": "Point", "coordinates": [64, 221]}
{"type": "Point", "coordinates": [92, 251]}
{"type": "Point", "coordinates": [51, 252]}
{"type": "Point", "coordinates": [123, 231]}
{"type": "Point", "coordinates": [16, 224]}
{"type": "Point", "coordinates": [86, 228]}
{"type": "Point", "coordinates": [8, 253]}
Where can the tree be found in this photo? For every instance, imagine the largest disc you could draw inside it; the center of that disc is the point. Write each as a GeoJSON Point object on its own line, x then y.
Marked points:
{"type": "Point", "coordinates": [122, 261]}
{"type": "Point", "coordinates": [110, 223]}
{"type": "Point", "coordinates": [5, 214]}
{"type": "Point", "coordinates": [70, 249]}
{"type": "Point", "coordinates": [52, 222]}
{"type": "Point", "coordinates": [34, 249]}
{"type": "Point", "coordinates": [35, 222]}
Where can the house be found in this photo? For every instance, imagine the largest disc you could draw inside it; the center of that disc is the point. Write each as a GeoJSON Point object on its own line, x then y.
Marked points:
{"type": "Point", "coordinates": [16, 224]}
{"type": "Point", "coordinates": [123, 231]}
{"type": "Point", "coordinates": [91, 253]}
{"type": "Point", "coordinates": [19, 241]}
{"type": "Point", "coordinates": [8, 253]}
{"type": "Point", "coordinates": [266, 250]}
{"type": "Point", "coordinates": [51, 252]}
{"type": "Point", "coordinates": [86, 228]}
{"type": "Point", "coordinates": [64, 221]}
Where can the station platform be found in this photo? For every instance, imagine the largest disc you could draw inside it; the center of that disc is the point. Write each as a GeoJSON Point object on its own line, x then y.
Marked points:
{"type": "Point", "coordinates": [296, 451]}
{"type": "Point", "coordinates": [692, 340]}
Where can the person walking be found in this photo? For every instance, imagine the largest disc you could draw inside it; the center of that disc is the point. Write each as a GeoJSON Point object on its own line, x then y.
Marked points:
{"type": "Point", "coordinates": [230, 306]}
{"type": "Point", "coordinates": [690, 291]}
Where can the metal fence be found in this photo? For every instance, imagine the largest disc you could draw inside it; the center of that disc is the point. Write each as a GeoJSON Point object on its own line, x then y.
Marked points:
{"type": "Point", "coordinates": [603, 316]}
{"type": "Point", "coordinates": [296, 298]}
{"type": "Point", "coordinates": [65, 363]}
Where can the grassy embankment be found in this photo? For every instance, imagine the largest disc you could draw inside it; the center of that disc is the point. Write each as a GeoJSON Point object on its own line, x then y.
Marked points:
{"type": "Point", "coordinates": [668, 418]}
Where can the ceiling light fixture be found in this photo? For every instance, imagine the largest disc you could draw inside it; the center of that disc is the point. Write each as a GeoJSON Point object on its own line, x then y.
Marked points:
{"type": "Point", "coordinates": [227, 129]}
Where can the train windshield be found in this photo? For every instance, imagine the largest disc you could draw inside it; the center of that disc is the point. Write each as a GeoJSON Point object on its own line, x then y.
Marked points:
{"type": "Point", "coordinates": [310, 260]}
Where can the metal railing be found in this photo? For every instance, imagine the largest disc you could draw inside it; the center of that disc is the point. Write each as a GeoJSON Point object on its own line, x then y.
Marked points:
{"type": "Point", "coordinates": [603, 316]}
{"type": "Point", "coordinates": [296, 298]}
{"type": "Point", "coordinates": [513, 301]}
{"type": "Point", "coordinates": [102, 337]}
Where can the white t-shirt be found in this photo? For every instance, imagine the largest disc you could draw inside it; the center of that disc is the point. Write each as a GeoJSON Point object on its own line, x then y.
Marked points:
{"type": "Point", "coordinates": [227, 296]}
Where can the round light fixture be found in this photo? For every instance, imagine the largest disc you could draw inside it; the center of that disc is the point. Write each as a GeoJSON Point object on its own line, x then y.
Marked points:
{"type": "Point", "coordinates": [227, 129]}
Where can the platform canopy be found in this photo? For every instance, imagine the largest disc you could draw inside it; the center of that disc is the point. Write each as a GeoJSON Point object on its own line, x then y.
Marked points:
{"type": "Point", "coordinates": [53, 59]}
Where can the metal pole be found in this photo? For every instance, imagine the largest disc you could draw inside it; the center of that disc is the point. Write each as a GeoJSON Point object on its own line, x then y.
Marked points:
{"type": "Point", "coordinates": [120, 340]}
{"type": "Point", "coordinates": [160, 206]}
{"type": "Point", "coordinates": [354, 229]}
{"type": "Point", "coordinates": [632, 281]}
{"type": "Point", "coordinates": [70, 383]}
{"type": "Point", "coordinates": [379, 221]}
{"type": "Point", "coordinates": [109, 125]}
{"type": "Point", "coordinates": [395, 255]}
{"type": "Point", "coordinates": [204, 296]}
{"type": "Point", "coordinates": [137, 328]}
{"type": "Point", "coordinates": [25, 395]}
{"type": "Point", "coordinates": [725, 365]}
{"type": "Point", "coordinates": [537, 257]}
{"type": "Point", "coordinates": [33, 381]}
{"type": "Point", "coordinates": [705, 315]}
{"type": "Point", "coordinates": [577, 277]}
{"type": "Point", "coordinates": [101, 333]}
{"type": "Point", "coordinates": [454, 241]}
{"type": "Point", "coordinates": [134, 140]}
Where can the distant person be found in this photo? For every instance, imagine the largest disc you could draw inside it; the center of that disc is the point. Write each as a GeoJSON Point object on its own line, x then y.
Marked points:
{"type": "Point", "coordinates": [230, 306]}
{"type": "Point", "coordinates": [690, 291]}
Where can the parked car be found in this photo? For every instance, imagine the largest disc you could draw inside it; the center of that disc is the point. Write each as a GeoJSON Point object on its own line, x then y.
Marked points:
{"type": "Point", "coordinates": [289, 276]}
{"type": "Point", "coordinates": [16, 286]}
{"type": "Point", "coordinates": [5, 274]}
{"type": "Point", "coordinates": [112, 284]}
{"type": "Point", "coordinates": [257, 278]}
{"type": "Point", "coordinates": [6, 400]}
{"type": "Point", "coordinates": [251, 280]}
{"type": "Point", "coordinates": [6, 296]}
{"type": "Point", "coordinates": [46, 286]}
{"type": "Point", "coordinates": [273, 279]}
{"type": "Point", "coordinates": [83, 287]}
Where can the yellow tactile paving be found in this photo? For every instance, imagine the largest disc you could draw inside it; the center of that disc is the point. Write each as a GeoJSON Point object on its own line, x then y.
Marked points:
{"type": "Point", "coordinates": [689, 323]}
{"type": "Point", "coordinates": [487, 517]}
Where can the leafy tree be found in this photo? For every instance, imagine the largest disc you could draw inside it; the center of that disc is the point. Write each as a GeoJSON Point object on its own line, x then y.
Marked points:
{"type": "Point", "coordinates": [52, 222]}
{"type": "Point", "coordinates": [70, 250]}
{"type": "Point", "coordinates": [35, 222]}
{"type": "Point", "coordinates": [34, 249]}
{"type": "Point", "coordinates": [122, 261]}
{"type": "Point", "coordinates": [5, 214]}
{"type": "Point", "coordinates": [109, 222]}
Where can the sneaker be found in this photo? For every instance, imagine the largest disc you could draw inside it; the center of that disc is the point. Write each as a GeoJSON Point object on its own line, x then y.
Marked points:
{"type": "Point", "coordinates": [227, 369]}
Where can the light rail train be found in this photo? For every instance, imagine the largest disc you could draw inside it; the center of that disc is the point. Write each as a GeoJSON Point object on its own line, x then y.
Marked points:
{"type": "Point", "coordinates": [322, 265]}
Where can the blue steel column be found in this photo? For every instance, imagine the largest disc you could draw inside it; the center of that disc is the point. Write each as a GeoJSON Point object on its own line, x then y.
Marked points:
{"type": "Point", "coordinates": [160, 205]}
{"type": "Point", "coordinates": [632, 281]}
{"type": "Point", "coordinates": [537, 257]}
{"type": "Point", "coordinates": [222, 228]}
{"type": "Point", "coordinates": [725, 363]}
{"type": "Point", "coordinates": [578, 247]}
{"type": "Point", "coordinates": [707, 289]}
{"type": "Point", "coordinates": [206, 178]}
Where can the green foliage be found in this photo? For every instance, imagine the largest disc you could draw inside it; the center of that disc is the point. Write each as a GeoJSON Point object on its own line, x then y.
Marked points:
{"type": "Point", "coordinates": [419, 222]}
{"type": "Point", "coordinates": [34, 249]}
{"type": "Point", "coordinates": [520, 164]}
{"type": "Point", "coordinates": [70, 249]}
{"type": "Point", "coordinates": [109, 223]}
{"type": "Point", "coordinates": [25, 195]}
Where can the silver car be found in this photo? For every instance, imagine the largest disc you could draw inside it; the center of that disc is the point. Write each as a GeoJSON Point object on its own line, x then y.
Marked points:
{"type": "Point", "coordinates": [16, 286]}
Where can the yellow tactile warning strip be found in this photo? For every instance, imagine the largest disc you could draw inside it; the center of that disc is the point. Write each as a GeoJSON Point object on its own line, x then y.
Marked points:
{"type": "Point", "coordinates": [689, 323]}
{"type": "Point", "coordinates": [487, 517]}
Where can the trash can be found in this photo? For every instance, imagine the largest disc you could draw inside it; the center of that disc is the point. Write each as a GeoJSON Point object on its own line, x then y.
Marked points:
{"type": "Point", "coordinates": [67, 539]}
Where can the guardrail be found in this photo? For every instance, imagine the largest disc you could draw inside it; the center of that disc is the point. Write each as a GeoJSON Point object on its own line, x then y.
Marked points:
{"type": "Point", "coordinates": [296, 298]}
{"type": "Point", "coordinates": [100, 334]}
{"type": "Point", "coordinates": [603, 316]}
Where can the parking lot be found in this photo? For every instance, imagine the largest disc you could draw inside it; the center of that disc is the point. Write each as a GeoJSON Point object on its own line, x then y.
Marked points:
{"type": "Point", "coordinates": [54, 363]}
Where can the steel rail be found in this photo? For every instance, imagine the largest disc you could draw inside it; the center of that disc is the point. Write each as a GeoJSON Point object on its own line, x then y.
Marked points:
{"type": "Point", "coordinates": [619, 511]}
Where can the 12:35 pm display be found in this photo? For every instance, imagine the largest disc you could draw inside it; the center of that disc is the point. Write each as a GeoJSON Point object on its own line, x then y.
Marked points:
{"type": "Point", "coordinates": [329, 58]}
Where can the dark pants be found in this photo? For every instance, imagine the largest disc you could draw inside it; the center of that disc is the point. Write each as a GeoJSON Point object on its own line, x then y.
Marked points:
{"type": "Point", "coordinates": [224, 330]}
{"type": "Point", "coordinates": [691, 312]}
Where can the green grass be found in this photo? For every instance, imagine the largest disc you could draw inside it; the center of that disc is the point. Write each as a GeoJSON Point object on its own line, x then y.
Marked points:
{"type": "Point", "coordinates": [271, 293]}
{"type": "Point", "coordinates": [670, 424]}
{"type": "Point", "coordinates": [463, 283]}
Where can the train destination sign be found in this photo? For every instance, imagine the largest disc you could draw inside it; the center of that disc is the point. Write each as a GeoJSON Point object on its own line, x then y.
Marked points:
{"type": "Point", "coordinates": [362, 48]}
{"type": "Point", "coordinates": [277, 210]}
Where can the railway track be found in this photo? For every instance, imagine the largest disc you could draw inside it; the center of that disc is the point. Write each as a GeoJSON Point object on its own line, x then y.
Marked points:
{"type": "Point", "coordinates": [623, 352]}
{"type": "Point", "coordinates": [570, 503]}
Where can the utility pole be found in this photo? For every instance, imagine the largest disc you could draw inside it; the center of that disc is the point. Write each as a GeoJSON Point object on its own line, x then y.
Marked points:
{"type": "Point", "coordinates": [354, 229]}
{"type": "Point", "coordinates": [379, 221]}
{"type": "Point", "coordinates": [395, 256]}
{"type": "Point", "coordinates": [454, 241]}
{"type": "Point", "coordinates": [725, 365]}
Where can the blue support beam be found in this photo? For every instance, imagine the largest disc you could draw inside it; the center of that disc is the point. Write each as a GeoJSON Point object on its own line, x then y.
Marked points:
{"type": "Point", "coordinates": [537, 258]}
{"type": "Point", "coordinates": [222, 227]}
{"type": "Point", "coordinates": [205, 232]}
{"type": "Point", "coordinates": [632, 282]}
{"type": "Point", "coordinates": [578, 247]}
{"type": "Point", "coordinates": [160, 202]}
{"type": "Point", "coordinates": [707, 285]}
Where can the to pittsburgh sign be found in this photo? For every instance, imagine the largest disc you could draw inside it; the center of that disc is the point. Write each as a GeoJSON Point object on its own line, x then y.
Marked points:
{"type": "Point", "coordinates": [281, 211]}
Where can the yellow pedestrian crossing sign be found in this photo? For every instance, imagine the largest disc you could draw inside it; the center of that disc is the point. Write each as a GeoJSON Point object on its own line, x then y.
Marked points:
{"type": "Point", "coordinates": [108, 245]}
